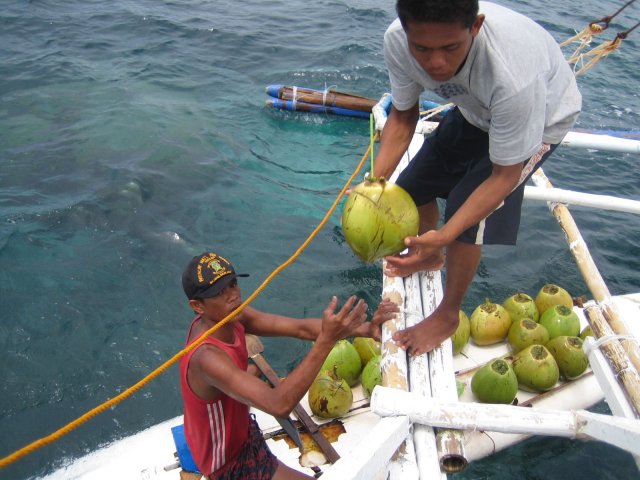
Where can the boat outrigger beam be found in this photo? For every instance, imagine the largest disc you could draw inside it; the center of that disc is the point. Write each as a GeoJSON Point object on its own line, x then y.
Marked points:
{"type": "Point", "coordinates": [621, 432]}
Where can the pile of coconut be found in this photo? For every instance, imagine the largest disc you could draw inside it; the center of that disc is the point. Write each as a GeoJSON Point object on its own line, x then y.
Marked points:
{"type": "Point", "coordinates": [348, 363]}
{"type": "Point", "coordinates": [544, 337]}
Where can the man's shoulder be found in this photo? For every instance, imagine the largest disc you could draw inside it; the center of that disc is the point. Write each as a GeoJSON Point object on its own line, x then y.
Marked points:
{"type": "Point", "coordinates": [394, 32]}
{"type": "Point", "coordinates": [508, 28]}
{"type": "Point", "coordinates": [207, 348]}
{"type": "Point", "coordinates": [395, 43]}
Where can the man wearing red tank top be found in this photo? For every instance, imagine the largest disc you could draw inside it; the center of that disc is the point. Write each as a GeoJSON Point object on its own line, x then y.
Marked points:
{"type": "Point", "coordinates": [218, 385]}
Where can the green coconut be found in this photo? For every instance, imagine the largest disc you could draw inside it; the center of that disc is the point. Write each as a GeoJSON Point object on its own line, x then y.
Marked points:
{"type": "Point", "coordinates": [586, 332]}
{"type": "Point", "coordinates": [377, 217]}
{"type": "Point", "coordinates": [535, 368]}
{"type": "Point", "coordinates": [329, 395]}
{"type": "Point", "coordinates": [561, 320]}
{"type": "Point", "coordinates": [344, 359]}
{"type": "Point", "coordinates": [525, 332]}
{"type": "Point", "coordinates": [521, 305]}
{"type": "Point", "coordinates": [461, 336]}
{"type": "Point", "coordinates": [371, 375]}
{"type": "Point", "coordinates": [551, 295]}
{"type": "Point", "coordinates": [568, 353]}
{"type": "Point", "coordinates": [495, 382]}
{"type": "Point", "coordinates": [367, 348]}
{"type": "Point", "coordinates": [489, 323]}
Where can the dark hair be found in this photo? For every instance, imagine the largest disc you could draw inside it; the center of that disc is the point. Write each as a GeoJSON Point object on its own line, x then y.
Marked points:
{"type": "Point", "coordinates": [439, 11]}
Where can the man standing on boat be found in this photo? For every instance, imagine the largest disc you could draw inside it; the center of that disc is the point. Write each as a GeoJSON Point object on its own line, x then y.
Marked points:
{"type": "Point", "coordinates": [218, 385]}
{"type": "Point", "coordinates": [516, 98]}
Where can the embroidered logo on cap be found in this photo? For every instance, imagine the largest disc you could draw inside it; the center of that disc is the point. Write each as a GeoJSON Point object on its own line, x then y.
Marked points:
{"type": "Point", "coordinates": [216, 268]}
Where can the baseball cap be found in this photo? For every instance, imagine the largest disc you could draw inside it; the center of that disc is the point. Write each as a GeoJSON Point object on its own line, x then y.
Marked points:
{"type": "Point", "coordinates": [207, 274]}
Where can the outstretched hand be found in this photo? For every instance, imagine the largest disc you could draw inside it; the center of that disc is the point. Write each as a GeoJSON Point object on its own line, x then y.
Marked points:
{"type": "Point", "coordinates": [352, 315]}
{"type": "Point", "coordinates": [386, 310]}
{"type": "Point", "coordinates": [425, 252]}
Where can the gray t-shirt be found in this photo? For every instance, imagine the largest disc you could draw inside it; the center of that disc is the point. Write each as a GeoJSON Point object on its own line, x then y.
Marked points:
{"type": "Point", "coordinates": [515, 83]}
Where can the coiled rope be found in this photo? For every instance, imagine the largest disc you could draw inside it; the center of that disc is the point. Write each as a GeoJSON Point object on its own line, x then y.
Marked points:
{"type": "Point", "coordinates": [30, 448]}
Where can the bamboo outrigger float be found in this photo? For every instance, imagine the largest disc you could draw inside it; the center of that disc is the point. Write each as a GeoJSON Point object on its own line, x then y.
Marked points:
{"type": "Point", "coordinates": [415, 425]}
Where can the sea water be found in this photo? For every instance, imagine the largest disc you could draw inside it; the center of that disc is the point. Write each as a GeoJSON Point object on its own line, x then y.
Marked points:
{"type": "Point", "coordinates": [134, 135]}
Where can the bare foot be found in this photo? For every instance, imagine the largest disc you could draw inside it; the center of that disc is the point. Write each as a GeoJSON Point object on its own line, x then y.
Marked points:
{"type": "Point", "coordinates": [405, 265]}
{"type": "Point", "coordinates": [428, 334]}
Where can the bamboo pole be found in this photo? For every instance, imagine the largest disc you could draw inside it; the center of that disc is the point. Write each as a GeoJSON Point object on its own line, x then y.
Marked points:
{"type": "Point", "coordinates": [605, 202]}
{"type": "Point", "coordinates": [394, 360]}
{"type": "Point", "coordinates": [621, 432]}
{"type": "Point", "coordinates": [424, 437]}
{"type": "Point", "coordinates": [622, 367]}
{"type": "Point", "coordinates": [328, 98]}
{"type": "Point", "coordinates": [600, 142]}
{"type": "Point", "coordinates": [450, 443]}
{"type": "Point", "coordinates": [592, 277]}
{"type": "Point", "coordinates": [395, 374]}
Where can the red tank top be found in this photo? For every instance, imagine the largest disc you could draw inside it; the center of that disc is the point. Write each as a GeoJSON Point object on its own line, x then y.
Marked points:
{"type": "Point", "coordinates": [215, 431]}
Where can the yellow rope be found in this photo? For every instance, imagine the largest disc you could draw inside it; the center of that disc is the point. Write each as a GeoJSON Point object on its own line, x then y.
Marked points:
{"type": "Point", "coordinates": [30, 448]}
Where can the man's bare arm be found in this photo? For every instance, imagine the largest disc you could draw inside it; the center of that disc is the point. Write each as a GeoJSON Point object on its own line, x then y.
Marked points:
{"type": "Point", "coordinates": [396, 137]}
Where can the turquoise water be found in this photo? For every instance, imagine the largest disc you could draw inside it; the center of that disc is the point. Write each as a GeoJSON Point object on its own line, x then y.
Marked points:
{"type": "Point", "coordinates": [133, 135]}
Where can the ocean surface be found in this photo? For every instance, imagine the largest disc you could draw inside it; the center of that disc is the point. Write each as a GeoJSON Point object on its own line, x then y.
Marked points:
{"type": "Point", "coordinates": [134, 135]}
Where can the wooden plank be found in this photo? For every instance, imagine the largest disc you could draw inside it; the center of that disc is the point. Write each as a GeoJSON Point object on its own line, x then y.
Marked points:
{"type": "Point", "coordinates": [369, 459]}
{"type": "Point", "coordinates": [424, 436]}
{"type": "Point", "coordinates": [255, 347]}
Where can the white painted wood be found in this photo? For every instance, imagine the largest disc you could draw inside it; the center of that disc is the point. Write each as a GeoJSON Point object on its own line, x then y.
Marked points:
{"type": "Point", "coordinates": [449, 443]}
{"type": "Point", "coordinates": [569, 197]}
{"type": "Point", "coordinates": [424, 436]}
{"type": "Point", "coordinates": [424, 439]}
{"type": "Point", "coordinates": [613, 392]}
{"type": "Point", "coordinates": [600, 142]}
{"type": "Point", "coordinates": [470, 416]}
{"type": "Point", "coordinates": [404, 465]}
{"type": "Point", "coordinates": [370, 458]}
{"type": "Point", "coordinates": [621, 432]}
{"type": "Point", "coordinates": [394, 360]}
{"type": "Point", "coordinates": [421, 450]}
{"type": "Point", "coordinates": [394, 365]}
{"type": "Point", "coordinates": [414, 146]}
